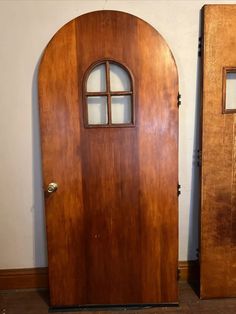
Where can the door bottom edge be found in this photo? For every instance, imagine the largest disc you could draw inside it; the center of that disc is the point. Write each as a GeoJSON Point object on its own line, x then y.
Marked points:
{"type": "Point", "coordinates": [99, 307]}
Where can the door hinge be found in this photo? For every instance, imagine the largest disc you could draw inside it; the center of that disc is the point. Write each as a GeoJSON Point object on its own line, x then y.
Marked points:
{"type": "Point", "coordinates": [179, 100]}
{"type": "Point", "coordinates": [199, 158]}
{"type": "Point", "coordinates": [199, 46]}
{"type": "Point", "coordinates": [178, 189]}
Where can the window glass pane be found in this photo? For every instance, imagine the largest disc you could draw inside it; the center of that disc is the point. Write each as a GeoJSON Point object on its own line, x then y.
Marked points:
{"type": "Point", "coordinates": [230, 97]}
{"type": "Point", "coordinates": [97, 110]}
{"type": "Point", "coordinates": [119, 78]}
{"type": "Point", "coordinates": [97, 79]}
{"type": "Point", "coordinates": [121, 109]}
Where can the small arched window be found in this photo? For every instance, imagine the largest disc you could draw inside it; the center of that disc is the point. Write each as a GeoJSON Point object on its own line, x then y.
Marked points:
{"type": "Point", "coordinates": [108, 95]}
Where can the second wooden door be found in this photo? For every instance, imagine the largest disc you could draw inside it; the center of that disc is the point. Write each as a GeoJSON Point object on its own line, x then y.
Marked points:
{"type": "Point", "coordinates": [218, 206]}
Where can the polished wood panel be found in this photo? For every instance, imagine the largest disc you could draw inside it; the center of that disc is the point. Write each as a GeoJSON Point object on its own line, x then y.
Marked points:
{"type": "Point", "coordinates": [218, 205]}
{"type": "Point", "coordinates": [112, 224]}
{"type": "Point", "coordinates": [61, 146]}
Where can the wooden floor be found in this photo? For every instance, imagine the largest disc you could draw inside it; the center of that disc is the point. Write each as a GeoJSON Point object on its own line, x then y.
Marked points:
{"type": "Point", "coordinates": [36, 302]}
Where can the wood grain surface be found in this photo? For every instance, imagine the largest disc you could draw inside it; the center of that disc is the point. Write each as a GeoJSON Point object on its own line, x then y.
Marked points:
{"type": "Point", "coordinates": [112, 225]}
{"type": "Point", "coordinates": [218, 205]}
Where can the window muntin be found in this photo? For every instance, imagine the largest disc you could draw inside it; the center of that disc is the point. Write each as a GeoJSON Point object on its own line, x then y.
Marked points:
{"type": "Point", "coordinates": [108, 95]}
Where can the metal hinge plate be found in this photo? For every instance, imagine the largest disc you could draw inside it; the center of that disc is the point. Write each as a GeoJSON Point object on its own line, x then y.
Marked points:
{"type": "Point", "coordinates": [199, 158]}
{"type": "Point", "coordinates": [179, 99]}
{"type": "Point", "coordinates": [200, 46]}
{"type": "Point", "coordinates": [178, 189]}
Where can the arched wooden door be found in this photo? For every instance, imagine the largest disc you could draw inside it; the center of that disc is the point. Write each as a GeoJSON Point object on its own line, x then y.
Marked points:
{"type": "Point", "coordinates": [112, 223]}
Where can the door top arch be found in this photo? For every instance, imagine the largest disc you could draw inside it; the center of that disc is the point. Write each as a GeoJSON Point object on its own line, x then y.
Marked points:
{"type": "Point", "coordinates": [107, 19]}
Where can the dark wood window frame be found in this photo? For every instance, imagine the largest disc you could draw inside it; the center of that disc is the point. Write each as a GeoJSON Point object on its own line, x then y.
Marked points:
{"type": "Point", "coordinates": [108, 94]}
{"type": "Point", "coordinates": [225, 71]}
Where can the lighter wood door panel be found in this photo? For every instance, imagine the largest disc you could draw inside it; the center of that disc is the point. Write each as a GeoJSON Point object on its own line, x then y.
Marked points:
{"type": "Point", "coordinates": [112, 224]}
{"type": "Point", "coordinates": [218, 204]}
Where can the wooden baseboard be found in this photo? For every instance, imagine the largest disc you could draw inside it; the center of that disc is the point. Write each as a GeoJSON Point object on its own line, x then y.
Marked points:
{"type": "Point", "coordinates": [189, 271]}
{"type": "Point", "coordinates": [27, 278]}
{"type": "Point", "coordinates": [36, 278]}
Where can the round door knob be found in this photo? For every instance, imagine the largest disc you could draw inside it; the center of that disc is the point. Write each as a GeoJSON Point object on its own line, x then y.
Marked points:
{"type": "Point", "coordinates": [52, 187]}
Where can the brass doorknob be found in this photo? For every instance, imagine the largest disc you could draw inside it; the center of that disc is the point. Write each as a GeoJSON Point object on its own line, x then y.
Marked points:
{"type": "Point", "coordinates": [52, 187]}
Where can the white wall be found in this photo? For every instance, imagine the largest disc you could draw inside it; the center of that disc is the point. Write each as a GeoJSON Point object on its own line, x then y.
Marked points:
{"type": "Point", "coordinates": [25, 29]}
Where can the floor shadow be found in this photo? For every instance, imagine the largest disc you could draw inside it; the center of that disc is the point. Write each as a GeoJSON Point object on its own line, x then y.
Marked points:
{"type": "Point", "coordinates": [44, 295]}
{"type": "Point", "coordinates": [38, 199]}
{"type": "Point", "coordinates": [40, 252]}
{"type": "Point", "coordinates": [193, 240]}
